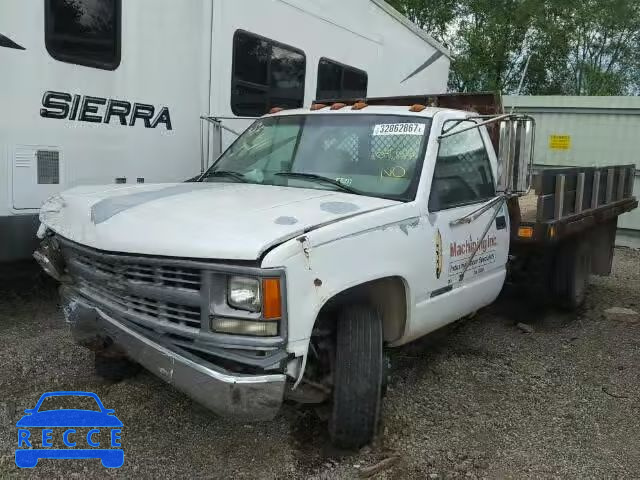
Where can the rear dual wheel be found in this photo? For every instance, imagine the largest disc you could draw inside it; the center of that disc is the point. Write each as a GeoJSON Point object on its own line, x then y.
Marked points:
{"type": "Point", "coordinates": [571, 274]}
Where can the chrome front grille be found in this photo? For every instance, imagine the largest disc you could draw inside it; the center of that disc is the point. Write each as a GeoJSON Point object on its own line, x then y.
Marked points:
{"type": "Point", "coordinates": [188, 278]}
{"type": "Point", "coordinates": [147, 307]}
{"type": "Point", "coordinates": [139, 288]}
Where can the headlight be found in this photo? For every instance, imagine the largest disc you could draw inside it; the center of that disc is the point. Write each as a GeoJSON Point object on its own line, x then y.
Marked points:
{"type": "Point", "coordinates": [260, 296]}
{"type": "Point", "coordinates": [244, 293]}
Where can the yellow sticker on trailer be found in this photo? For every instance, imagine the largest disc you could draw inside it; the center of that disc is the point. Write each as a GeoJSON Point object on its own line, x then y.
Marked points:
{"type": "Point", "coordinates": [560, 142]}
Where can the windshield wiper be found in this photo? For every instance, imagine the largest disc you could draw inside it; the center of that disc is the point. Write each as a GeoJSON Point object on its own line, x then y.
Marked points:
{"type": "Point", "coordinates": [226, 173]}
{"type": "Point", "coordinates": [319, 178]}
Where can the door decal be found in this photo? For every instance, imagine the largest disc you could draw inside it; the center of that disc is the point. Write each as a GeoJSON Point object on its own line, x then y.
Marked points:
{"type": "Point", "coordinates": [439, 259]}
{"type": "Point", "coordinates": [460, 253]}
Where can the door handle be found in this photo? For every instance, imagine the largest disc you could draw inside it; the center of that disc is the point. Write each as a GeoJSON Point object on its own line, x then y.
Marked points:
{"type": "Point", "coordinates": [501, 222]}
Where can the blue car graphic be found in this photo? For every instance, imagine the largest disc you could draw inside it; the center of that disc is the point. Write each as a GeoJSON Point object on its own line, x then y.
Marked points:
{"type": "Point", "coordinates": [69, 418]}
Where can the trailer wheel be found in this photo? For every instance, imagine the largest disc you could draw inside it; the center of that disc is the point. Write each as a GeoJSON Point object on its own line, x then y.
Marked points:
{"type": "Point", "coordinates": [114, 369]}
{"type": "Point", "coordinates": [572, 270]}
{"type": "Point", "coordinates": [358, 377]}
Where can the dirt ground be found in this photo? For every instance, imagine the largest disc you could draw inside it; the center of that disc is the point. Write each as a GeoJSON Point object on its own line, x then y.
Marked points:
{"type": "Point", "coordinates": [481, 399]}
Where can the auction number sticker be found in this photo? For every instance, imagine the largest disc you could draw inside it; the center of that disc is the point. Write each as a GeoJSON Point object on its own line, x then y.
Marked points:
{"type": "Point", "coordinates": [383, 129]}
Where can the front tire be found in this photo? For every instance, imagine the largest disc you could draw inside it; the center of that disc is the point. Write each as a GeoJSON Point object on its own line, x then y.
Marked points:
{"type": "Point", "coordinates": [358, 374]}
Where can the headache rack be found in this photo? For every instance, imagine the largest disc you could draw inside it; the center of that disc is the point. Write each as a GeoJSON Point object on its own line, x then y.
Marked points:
{"type": "Point", "coordinates": [482, 103]}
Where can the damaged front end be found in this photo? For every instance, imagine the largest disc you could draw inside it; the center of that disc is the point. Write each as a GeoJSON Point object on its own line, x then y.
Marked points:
{"type": "Point", "coordinates": [49, 257]}
{"type": "Point", "coordinates": [176, 318]}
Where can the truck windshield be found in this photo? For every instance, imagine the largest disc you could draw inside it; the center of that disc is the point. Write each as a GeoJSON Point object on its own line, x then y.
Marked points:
{"type": "Point", "coordinates": [374, 155]}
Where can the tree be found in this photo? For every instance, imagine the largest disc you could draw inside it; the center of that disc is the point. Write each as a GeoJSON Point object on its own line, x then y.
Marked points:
{"type": "Point", "coordinates": [604, 57]}
{"type": "Point", "coordinates": [490, 47]}
{"type": "Point", "coordinates": [576, 47]}
{"type": "Point", "coordinates": [434, 16]}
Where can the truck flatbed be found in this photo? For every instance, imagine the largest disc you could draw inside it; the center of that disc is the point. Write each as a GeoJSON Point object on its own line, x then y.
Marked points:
{"type": "Point", "coordinates": [567, 200]}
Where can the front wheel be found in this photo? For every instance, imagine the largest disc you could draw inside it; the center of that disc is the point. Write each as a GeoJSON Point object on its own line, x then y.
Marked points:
{"type": "Point", "coordinates": [358, 377]}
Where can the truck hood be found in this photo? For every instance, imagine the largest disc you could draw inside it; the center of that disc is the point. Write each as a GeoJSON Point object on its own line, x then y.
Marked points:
{"type": "Point", "coordinates": [196, 220]}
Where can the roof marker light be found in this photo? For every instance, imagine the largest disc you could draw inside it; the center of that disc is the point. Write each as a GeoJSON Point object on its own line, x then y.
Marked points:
{"type": "Point", "coordinates": [317, 106]}
{"type": "Point", "coordinates": [338, 106]}
{"type": "Point", "coordinates": [359, 106]}
{"type": "Point", "coordinates": [417, 108]}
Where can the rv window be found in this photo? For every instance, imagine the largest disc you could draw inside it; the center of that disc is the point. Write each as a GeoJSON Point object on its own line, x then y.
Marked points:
{"type": "Point", "coordinates": [84, 32]}
{"type": "Point", "coordinates": [266, 74]}
{"type": "Point", "coordinates": [340, 81]}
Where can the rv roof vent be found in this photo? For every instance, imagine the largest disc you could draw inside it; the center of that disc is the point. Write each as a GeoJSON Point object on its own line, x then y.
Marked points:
{"type": "Point", "coordinates": [48, 167]}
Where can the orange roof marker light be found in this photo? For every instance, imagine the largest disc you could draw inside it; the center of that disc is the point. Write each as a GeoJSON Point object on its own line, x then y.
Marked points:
{"type": "Point", "coordinates": [338, 106]}
{"type": "Point", "coordinates": [317, 106]}
{"type": "Point", "coordinates": [275, 110]}
{"type": "Point", "coordinates": [417, 108]}
{"type": "Point", "coordinates": [359, 105]}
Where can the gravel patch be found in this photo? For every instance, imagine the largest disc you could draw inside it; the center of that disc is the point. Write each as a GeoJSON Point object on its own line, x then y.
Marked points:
{"type": "Point", "coordinates": [514, 392]}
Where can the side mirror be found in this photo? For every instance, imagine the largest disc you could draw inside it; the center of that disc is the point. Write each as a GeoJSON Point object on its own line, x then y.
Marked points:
{"type": "Point", "coordinates": [515, 154]}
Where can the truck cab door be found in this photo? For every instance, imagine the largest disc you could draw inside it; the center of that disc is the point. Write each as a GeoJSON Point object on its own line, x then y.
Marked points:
{"type": "Point", "coordinates": [463, 181]}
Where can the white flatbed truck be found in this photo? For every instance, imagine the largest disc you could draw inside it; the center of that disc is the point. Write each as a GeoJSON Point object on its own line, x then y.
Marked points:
{"type": "Point", "coordinates": [322, 236]}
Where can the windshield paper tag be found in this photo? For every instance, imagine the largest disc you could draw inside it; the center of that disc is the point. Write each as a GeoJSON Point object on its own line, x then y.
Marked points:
{"type": "Point", "coordinates": [383, 129]}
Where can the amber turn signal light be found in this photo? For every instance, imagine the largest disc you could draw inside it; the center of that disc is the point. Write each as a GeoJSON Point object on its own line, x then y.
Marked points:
{"type": "Point", "coordinates": [525, 232]}
{"type": "Point", "coordinates": [271, 299]}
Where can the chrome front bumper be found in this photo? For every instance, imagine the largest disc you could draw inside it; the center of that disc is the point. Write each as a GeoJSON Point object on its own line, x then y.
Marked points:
{"type": "Point", "coordinates": [246, 397]}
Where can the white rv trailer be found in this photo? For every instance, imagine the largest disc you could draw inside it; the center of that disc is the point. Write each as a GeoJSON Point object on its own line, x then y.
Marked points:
{"type": "Point", "coordinates": [107, 91]}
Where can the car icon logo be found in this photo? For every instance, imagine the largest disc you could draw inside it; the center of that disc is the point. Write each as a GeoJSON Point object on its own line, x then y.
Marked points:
{"type": "Point", "coordinates": [87, 433]}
